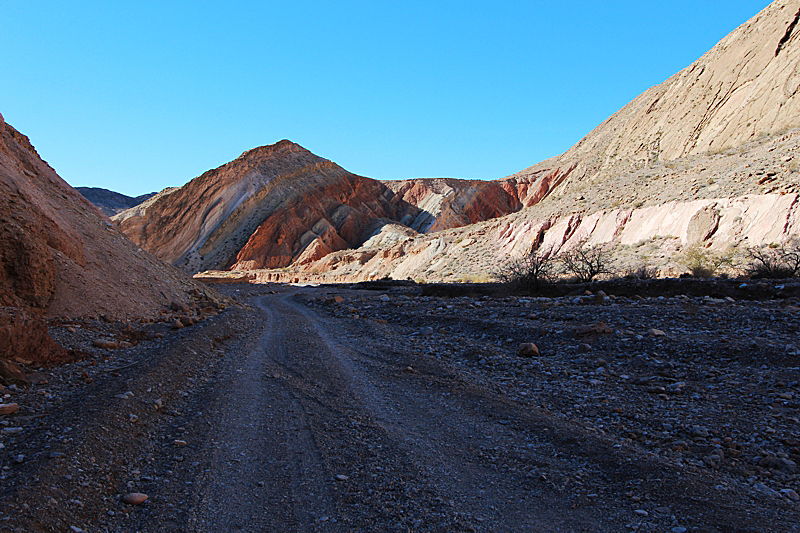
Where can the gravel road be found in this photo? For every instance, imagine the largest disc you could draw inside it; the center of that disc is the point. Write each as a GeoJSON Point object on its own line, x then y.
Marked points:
{"type": "Point", "coordinates": [284, 416]}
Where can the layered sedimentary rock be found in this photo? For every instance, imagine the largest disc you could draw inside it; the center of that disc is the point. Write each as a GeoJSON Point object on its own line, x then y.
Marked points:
{"type": "Point", "coordinates": [272, 206]}
{"type": "Point", "coordinates": [479, 251]}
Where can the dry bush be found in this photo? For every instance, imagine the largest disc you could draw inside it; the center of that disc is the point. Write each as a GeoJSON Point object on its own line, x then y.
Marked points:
{"type": "Point", "coordinates": [586, 263]}
{"type": "Point", "coordinates": [774, 262]}
{"type": "Point", "coordinates": [528, 273]}
{"type": "Point", "coordinates": [642, 271]}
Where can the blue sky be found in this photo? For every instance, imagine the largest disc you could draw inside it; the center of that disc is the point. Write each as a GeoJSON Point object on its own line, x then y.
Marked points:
{"type": "Point", "coordinates": [137, 96]}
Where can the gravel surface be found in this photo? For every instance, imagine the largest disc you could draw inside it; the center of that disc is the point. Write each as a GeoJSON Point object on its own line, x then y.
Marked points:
{"type": "Point", "coordinates": [338, 409]}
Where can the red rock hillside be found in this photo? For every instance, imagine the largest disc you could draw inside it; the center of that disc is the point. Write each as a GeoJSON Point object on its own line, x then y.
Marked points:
{"type": "Point", "coordinates": [59, 256]}
{"type": "Point", "coordinates": [268, 208]}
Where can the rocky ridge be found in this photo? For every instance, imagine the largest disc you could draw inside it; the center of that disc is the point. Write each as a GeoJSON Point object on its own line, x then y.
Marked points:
{"type": "Point", "coordinates": [110, 202]}
{"type": "Point", "coordinates": [61, 257]}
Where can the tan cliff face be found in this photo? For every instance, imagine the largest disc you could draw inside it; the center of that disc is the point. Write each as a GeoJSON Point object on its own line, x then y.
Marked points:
{"type": "Point", "coordinates": [742, 89]}
{"type": "Point", "coordinates": [61, 256]}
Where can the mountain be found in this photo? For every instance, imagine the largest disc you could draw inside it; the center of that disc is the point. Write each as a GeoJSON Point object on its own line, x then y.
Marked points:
{"type": "Point", "coordinates": [279, 205]}
{"type": "Point", "coordinates": [706, 158]}
{"type": "Point", "coordinates": [60, 257]}
{"type": "Point", "coordinates": [743, 89]}
{"type": "Point", "coordinates": [111, 202]}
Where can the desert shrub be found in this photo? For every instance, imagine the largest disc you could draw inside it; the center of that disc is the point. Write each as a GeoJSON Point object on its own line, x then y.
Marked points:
{"type": "Point", "coordinates": [774, 262]}
{"type": "Point", "coordinates": [529, 273]}
{"type": "Point", "coordinates": [703, 263]}
{"type": "Point", "coordinates": [586, 263]}
{"type": "Point", "coordinates": [642, 271]}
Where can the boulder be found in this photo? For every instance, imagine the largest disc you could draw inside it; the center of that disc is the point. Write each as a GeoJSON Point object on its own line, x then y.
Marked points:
{"type": "Point", "coordinates": [23, 335]}
{"type": "Point", "coordinates": [527, 349]}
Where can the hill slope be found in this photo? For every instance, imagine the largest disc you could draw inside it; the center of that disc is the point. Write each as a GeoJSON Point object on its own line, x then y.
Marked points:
{"type": "Point", "coordinates": [744, 88]}
{"type": "Point", "coordinates": [110, 202]}
{"type": "Point", "coordinates": [60, 256]}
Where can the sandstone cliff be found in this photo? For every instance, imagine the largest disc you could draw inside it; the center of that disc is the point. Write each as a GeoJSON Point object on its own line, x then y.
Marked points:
{"type": "Point", "coordinates": [59, 256]}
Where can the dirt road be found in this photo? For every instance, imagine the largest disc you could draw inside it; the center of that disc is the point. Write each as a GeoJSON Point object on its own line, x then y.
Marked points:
{"type": "Point", "coordinates": [296, 421]}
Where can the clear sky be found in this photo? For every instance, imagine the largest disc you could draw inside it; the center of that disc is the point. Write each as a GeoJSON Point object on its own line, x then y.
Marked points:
{"type": "Point", "coordinates": [138, 96]}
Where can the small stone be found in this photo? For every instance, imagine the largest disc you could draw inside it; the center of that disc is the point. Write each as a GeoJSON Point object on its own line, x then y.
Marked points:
{"type": "Point", "coordinates": [699, 431]}
{"type": "Point", "coordinates": [177, 325]}
{"type": "Point", "coordinates": [584, 348]}
{"type": "Point", "coordinates": [11, 431]}
{"type": "Point", "coordinates": [383, 297]}
{"type": "Point", "coordinates": [179, 443]}
{"type": "Point", "coordinates": [678, 529]}
{"type": "Point", "coordinates": [19, 459]}
{"type": "Point", "coordinates": [789, 493]}
{"type": "Point", "coordinates": [426, 331]}
{"type": "Point", "coordinates": [105, 344]}
{"type": "Point", "coordinates": [527, 349]}
{"type": "Point", "coordinates": [653, 332]}
{"type": "Point", "coordinates": [641, 512]}
{"type": "Point", "coordinates": [186, 320]}
{"type": "Point", "coordinates": [341, 477]}
{"type": "Point", "coordinates": [8, 408]}
{"type": "Point", "coordinates": [134, 498]}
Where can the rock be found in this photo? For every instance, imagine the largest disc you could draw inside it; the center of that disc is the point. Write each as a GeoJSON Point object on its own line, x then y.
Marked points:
{"type": "Point", "coordinates": [527, 349]}
{"type": "Point", "coordinates": [12, 373]}
{"type": "Point", "coordinates": [179, 307]}
{"type": "Point", "coordinates": [8, 408]}
{"type": "Point", "coordinates": [134, 498]}
{"type": "Point", "coordinates": [653, 332]}
{"type": "Point", "coordinates": [179, 443]}
{"type": "Point", "coordinates": [641, 512]}
{"type": "Point", "coordinates": [600, 297]}
{"type": "Point", "coordinates": [791, 494]}
{"type": "Point", "coordinates": [341, 477]}
{"type": "Point", "coordinates": [22, 332]}
{"type": "Point", "coordinates": [19, 459]}
{"type": "Point", "coordinates": [11, 430]}
{"type": "Point", "coordinates": [584, 348]}
{"type": "Point", "coordinates": [699, 431]}
{"type": "Point", "coordinates": [105, 344]}
{"type": "Point", "coordinates": [779, 464]}
{"type": "Point", "coordinates": [426, 331]}
{"type": "Point", "coordinates": [592, 330]}
{"type": "Point", "coordinates": [186, 320]}
{"type": "Point", "coordinates": [178, 324]}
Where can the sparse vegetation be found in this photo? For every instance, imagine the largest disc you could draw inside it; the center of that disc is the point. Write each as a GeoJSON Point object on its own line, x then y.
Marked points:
{"type": "Point", "coordinates": [529, 273]}
{"type": "Point", "coordinates": [642, 271]}
{"type": "Point", "coordinates": [774, 261]}
{"type": "Point", "coordinates": [586, 263]}
{"type": "Point", "coordinates": [703, 263]}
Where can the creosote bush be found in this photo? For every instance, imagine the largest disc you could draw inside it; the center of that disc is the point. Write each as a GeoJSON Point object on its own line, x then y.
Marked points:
{"type": "Point", "coordinates": [703, 263]}
{"type": "Point", "coordinates": [642, 272]}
